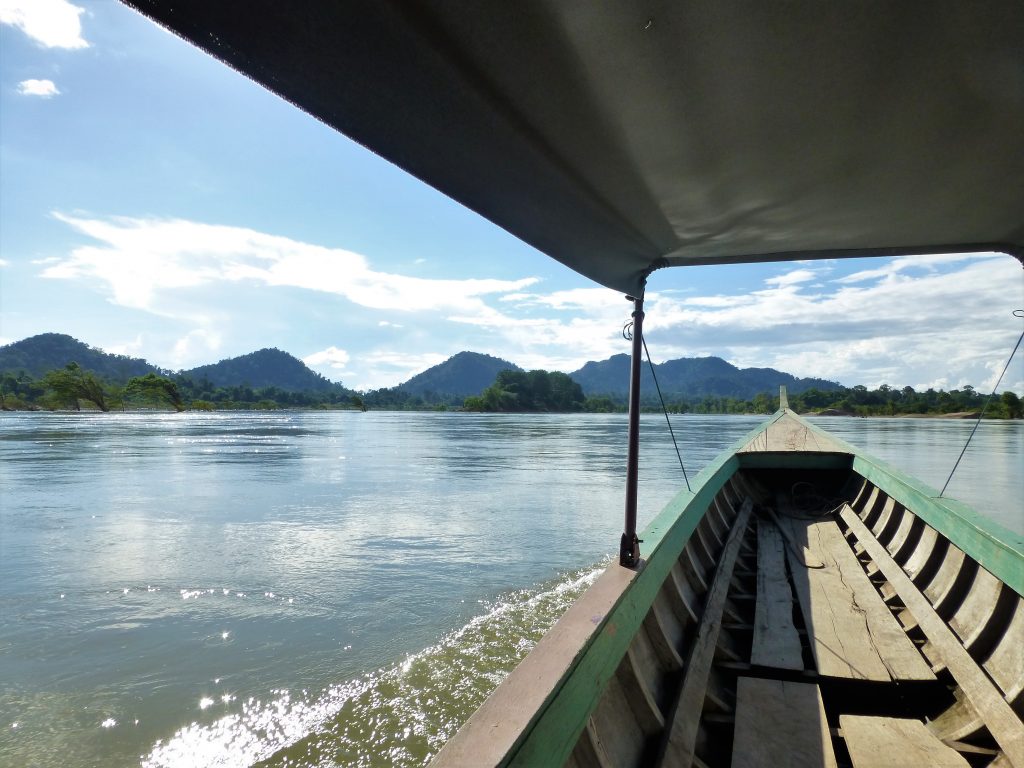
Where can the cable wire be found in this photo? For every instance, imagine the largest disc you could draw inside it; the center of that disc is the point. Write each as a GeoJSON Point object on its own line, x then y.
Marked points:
{"type": "Point", "coordinates": [665, 411]}
{"type": "Point", "coordinates": [1016, 313]}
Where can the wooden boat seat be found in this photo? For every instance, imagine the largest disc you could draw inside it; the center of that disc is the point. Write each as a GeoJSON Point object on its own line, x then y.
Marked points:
{"type": "Point", "coordinates": [852, 633]}
{"type": "Point", "coordinates": [780, 723]}
{"type": "Point", "coordinates": [889, 742]}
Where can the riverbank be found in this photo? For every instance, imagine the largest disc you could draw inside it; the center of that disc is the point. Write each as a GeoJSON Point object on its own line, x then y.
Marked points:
{"type": "Point", "coordinates": [828, 412]}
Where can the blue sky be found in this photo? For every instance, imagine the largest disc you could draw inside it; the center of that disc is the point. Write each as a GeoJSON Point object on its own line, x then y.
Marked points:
{"type": "Point", "coordinates": [155, 203]}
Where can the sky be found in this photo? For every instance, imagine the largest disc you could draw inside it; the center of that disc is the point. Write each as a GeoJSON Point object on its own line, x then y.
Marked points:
{"type": "Point", "coordinates": [157, 204]}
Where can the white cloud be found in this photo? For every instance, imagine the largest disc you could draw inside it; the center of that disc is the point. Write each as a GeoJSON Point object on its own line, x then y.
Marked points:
{"type": "Point", "coordinates": [332, 357]}
{"type": "Point", "coordinates": [712, 302]}
{"type": "Point", "coordinates": [42, 88]}
{"type": "Point", "coordinates": [575, 299]}
{"type": "Point", "coordinates": [131, 348]}
{"type": "Point", "coordinates": [386, 368]}
{"type": "Point", "coordinates": [141, 259]}
{"type": "Point", "coordinates": [890, 327]}
{"type": "Point", "coordinates": [909, 321]}
{"type": "Point", "coordinates": [51, 23]}
{"type": "Point", "coordinates": [894, 267]}
{"type": "Point", "coordinates": [792, 278]}
{"type": "Point", "coordinates": [4, 263]}
{"type": "Point", "coordinates": [952, 323]}
{"type": "Point", "coordinates": [194, 347]}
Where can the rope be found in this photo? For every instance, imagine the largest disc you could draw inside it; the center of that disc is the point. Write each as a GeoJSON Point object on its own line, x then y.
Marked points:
{"type": "Point", "coordinates": [1016, 313]}
{"type": "Point", "coordinates": [665, 411]}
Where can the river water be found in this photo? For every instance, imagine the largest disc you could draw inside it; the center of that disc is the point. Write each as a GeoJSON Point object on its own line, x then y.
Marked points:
{"type": "Point", "coordinates": [331, 588]}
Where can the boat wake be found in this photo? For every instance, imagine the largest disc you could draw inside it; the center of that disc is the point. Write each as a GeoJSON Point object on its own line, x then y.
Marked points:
{"type": "Point", "coordinates": [399, 715]}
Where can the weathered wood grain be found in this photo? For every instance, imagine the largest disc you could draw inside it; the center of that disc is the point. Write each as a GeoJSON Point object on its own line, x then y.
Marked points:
{"type": "Point", "coordinates": [852, 632]}
{"type": "Point", "coordinates": [789, 433]}
{"type": "Point", "coordinates": [889, 742]}
{"type": "Point", "coordinates": [780, 723]}
{"type": "Point", "coordinates": [776, 642]}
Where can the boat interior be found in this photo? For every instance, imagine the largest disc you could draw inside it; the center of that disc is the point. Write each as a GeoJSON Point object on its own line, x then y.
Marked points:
{"type": "Point", "coordinates": [810, 618]}
{"type": "Point", "coordinates": [780, 613]}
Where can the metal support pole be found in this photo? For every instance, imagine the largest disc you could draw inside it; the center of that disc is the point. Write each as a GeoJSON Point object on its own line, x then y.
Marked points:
{"type": "Point", "coordinates": [629, 549]}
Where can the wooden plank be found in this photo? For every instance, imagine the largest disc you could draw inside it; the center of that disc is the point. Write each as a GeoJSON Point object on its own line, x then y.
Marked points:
{"type": "Point", "coordinates": [889, 742]}
{"type": "Point", "coordinates": [1002, 722]}
{"type": "Point", "coordinates": [776, 642]}
{"type": "Point", "coordinates": [681, 735]}
{"type": "Point", "coordinates": [789, 433]}
{"type": "Point", "coordinates": [780, 723]}
{"type": "Point", "coordinates": [852, 632]}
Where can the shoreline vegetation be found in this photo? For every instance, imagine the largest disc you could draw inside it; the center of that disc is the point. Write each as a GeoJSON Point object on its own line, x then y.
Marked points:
{"type": "Point", "coordinates": [76, 389]}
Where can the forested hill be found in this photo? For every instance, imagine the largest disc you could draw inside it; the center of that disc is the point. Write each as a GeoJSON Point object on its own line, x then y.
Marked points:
{"type": "Point", "coordinates": [692, 377]}
{"type": "Point", "coordinates": [37, 355]}
{"type": "Point", "coordinates": [467, 373]}
{"type": "Point", "coordinates": [263, 368]}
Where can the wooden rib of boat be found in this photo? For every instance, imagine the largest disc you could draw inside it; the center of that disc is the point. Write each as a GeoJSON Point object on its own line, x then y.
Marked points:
{"type": "Point", "coordinates": [803, 605]}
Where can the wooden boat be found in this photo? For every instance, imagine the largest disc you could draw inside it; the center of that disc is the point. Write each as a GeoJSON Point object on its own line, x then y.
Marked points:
{"type": "Point", "coordinates": [804, 604]}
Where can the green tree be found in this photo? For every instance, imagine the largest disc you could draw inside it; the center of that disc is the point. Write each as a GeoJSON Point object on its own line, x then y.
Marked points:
{"type": "Point", "coordinates": [521, 391]}
{"type": "Point", "coordinates": [153, 388]}
{"type": "Point", "coordinates": [473, 403]}
{"type": "Point", "coordinates": [1014, 407]}
{"type": "Point", "coordinates": [73, 383]}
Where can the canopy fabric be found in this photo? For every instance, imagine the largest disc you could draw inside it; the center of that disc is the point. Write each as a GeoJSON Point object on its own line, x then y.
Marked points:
{"type": "Point", "coordinates": [620, 136]}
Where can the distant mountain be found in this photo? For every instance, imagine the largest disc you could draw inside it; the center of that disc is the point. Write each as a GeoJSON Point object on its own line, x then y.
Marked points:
{"type": "Point", "coordinates": [38, 354]}
{"type": "Point", "coordinates": [263, 368]}
{"type": "Point", "coordinates": [609, 377]}
{"type": "Point", "coordinates": [464, 374]}
{"type": "Point", "coordinates": [691, 377]}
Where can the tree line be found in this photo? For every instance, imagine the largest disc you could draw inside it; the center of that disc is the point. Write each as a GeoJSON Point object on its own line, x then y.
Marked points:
{"type": "Point", "coordinates": [512, 392]}
{"type": "Point", "coordinates": [72, 387]}
{"type": "Point", "coordinates": [858, 401]}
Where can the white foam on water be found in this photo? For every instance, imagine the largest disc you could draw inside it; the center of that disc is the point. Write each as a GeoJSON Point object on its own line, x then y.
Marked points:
{"type": "Point", "coordinates": [398, 715]}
